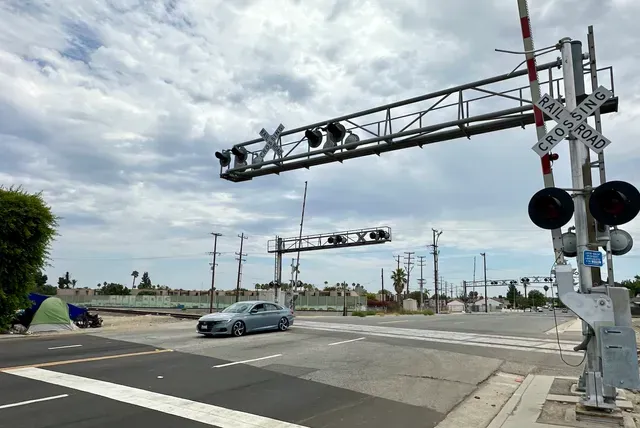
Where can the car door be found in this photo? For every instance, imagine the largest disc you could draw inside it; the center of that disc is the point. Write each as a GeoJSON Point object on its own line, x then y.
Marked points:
{"type": "Point", "coordinates": [258, 317]}
{"type": "Point", "coordinates": [274, 314]}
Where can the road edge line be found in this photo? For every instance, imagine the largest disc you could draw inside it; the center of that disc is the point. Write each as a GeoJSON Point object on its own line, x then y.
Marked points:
{"type": "Point", "coordinates": [85, 360]}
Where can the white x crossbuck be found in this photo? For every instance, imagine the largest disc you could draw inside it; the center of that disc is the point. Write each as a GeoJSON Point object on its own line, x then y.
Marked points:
{"type": "Point", "coordinates": [272, 144]}
{"type": "Point", "coordinates": [574, 122]}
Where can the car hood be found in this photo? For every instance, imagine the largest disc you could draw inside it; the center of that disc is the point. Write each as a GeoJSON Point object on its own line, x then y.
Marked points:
{"type": "Point", "coordinates": [217, 317]}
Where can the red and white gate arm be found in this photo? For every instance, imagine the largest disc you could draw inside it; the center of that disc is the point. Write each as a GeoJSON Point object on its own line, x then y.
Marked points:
{"type": "Point", "coordinates": [541, 129]}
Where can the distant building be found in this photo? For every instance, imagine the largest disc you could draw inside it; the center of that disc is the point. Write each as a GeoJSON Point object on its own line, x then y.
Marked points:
{"type": "Point", "coordinates": [479, 305]}
{"type": "Point", "coordinates": [455, 306]}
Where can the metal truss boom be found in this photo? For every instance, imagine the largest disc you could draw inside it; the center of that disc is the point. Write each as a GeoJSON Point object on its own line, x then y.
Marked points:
{"type": "Point", "coordinates": [326, 241]}
{"type": "Point", "coordinates": [545, 280]}
{"type": "Point", "coordinates": [407, 118]}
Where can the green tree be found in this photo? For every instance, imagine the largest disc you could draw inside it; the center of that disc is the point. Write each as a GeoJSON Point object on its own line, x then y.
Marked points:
{"type": "Point", "coordinates": [135, 275]}
{"type": "Point", "coordinates": [64, 281]}
{"type": "Point", "coordinates": [536, 298]}
{"type": "Point", "coordinates": [40, 285]}
{"type": "Point", "coordinates": [513, 294]}
{"type": "Point", "coordinates": [145, 282]}
{"type": "Point", "coordinates": [633, 285]}
{"type": "Point", "coordinates": [113, 289]}
{"type": "Point", "coordinates": [399, 278]}
{"type": "Point", "coordinates": [27, 228]}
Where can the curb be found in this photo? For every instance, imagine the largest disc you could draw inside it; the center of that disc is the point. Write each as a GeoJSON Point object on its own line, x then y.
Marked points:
{"type": "Point", "coordinates": [512, 404]}
{"type": "Point", "coordinates": [562, 328]}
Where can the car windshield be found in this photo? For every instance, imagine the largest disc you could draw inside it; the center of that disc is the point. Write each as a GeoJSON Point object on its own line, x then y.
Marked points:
{"type": "Point", "coordinates": [237, 308]}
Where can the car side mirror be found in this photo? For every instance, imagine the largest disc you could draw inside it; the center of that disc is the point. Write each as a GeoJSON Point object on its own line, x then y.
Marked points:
{"type": "Point", "coordinates": [253, 311]}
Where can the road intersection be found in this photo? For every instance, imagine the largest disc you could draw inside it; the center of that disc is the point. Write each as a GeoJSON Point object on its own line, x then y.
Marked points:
{"type": "Point", "coordinates": [328, 371]}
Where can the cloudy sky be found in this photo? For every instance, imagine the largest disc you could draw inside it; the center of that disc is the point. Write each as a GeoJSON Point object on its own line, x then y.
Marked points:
{"type": "Point", "coordinates": [114, 109]}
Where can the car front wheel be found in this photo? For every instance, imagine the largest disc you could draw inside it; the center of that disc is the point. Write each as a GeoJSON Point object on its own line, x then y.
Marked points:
{"type": "Point", "coordinates": [283, 325]}
{"type": "Point", "coordinates": [238, 329]}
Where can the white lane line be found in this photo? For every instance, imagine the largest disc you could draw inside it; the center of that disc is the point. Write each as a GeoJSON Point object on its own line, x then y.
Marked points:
{"type": "Point", "coordinates": [547, 346]}
{"type": "Point", "coordinates": [246, 361]}
{"type": "Point", "coordinates": [393, 322]}
{"type": "Point", "coordinates": [187, 409]}
{"type": "Point", "coordinates": [38, 400]}
{"type": "Point", "coordinates": [346, 341]}
{"type": "Point", "coordinates": [64, 347]}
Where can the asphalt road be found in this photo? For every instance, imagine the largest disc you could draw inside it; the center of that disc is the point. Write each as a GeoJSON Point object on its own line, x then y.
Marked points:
{"type": "Point", "coordinates": [324, 372]}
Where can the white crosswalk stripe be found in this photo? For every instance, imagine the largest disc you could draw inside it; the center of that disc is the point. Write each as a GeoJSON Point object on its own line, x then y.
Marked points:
{"type": "Point", "coordinates": [529, 344]}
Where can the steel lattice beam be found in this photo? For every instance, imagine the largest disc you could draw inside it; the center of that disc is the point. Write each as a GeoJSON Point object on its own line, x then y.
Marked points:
{"type": "Point", "coordinates": [506, 282]}
{"type": "Point", "coordinates": [351, 238]}
{"type": "Point", "coordinates": [403, 125]}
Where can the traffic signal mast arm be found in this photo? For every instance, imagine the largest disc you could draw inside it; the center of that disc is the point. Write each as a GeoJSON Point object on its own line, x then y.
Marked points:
{"type": "Point", "coordinates": [389, 127]}
{"type": "Point", "coordinates": [325, 241]}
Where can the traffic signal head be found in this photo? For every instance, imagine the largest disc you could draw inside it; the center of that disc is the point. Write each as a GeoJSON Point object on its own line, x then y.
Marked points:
{"type": "Point", "coordinates": [551, 208]}
{"type": "Point", "coordinates": [241, 154]}
{"type": "Point", "coordinates": [337, 239]}
{"type": "Point", "coordinates": [314, 138]}
{"type": "Point", "coordinates": [224, 157]}
{"type": "Point", "coordinates": [335, 132]}
{"type": "Point", "coordinates": [621, 242]}
{"type": "Point", "coordinates": [569, 244]}
{"type": "Point", "coordinates": [614, 203]}
{"type": "Point", "coordinates": [351, 138]}
{"type": "Point", "coordinates": [379, 234]}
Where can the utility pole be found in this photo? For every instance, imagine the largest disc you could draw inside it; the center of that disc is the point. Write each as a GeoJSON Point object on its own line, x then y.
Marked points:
{"type": "Point", "coordinates": [486, 299]}
{"type": "Point", "coordinates": [304, 204]}
{"type": "Point", "coordinates": [240, 260]}
{"type": "Point", "coordinates": [397, 259]}
{"type": "Point", "coordinates": [213, 269]}
{"type": "Point", "coordinates": [435, 252]}
{"type": "Point", "coordinates": [382, 295]}
{"type": "Point", "coordinates": [421, 264]}
{"type": "Point", "coordinates": [409, 268]}
{"type": "Point", "coordinates": [465, 297]}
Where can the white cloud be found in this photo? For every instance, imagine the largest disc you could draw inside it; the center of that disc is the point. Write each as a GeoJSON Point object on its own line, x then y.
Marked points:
{"type": "Point", "coordinates": [114, 110]}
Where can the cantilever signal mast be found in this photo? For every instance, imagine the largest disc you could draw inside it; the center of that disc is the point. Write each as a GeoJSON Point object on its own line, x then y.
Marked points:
{"type": "Point", "coordinates": [297, 267]}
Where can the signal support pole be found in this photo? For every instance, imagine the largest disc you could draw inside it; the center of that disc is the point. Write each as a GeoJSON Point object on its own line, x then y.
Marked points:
{"type": "Point", "coordinates": [240, 260]}
{"type": "Point", "coordinates": [213, 269]}
{"type": "Point", "coordinates": [579, 160]}
{"type": "Point", "coordinates": [601, 164]}
{"type": "Point", "coordinates": [486, 299]}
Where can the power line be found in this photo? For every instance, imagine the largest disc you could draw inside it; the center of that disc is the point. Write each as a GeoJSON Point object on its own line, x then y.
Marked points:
{"type": "Point", "coordinates": [436, 252]}
{"type": "Point", "coordinates": [421, 263]}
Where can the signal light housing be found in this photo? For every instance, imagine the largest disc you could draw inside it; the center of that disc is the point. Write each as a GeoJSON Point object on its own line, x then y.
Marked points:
{"type": "Point", "coordinates": [224, 157]}
{"type": "Point", "coordinates": [569, 244]}
{"type": "Point", "coordinates": [379, 234]}
{"type": "Point", "coordinates": [551, 208]}
{"type": "Point", "coordinates": [241, 154]}
{"type": "Point", "coordinates": [314, 138]}
{"type": "Point", "coordinates": [337, 239]}
{"type": "Point", "coordinates": [351, 138]}
{"type": "Point", "coordinates": [614, 203]}
{"type": "Point", "coordinates": [621, 242]}
{"type": "Point", "coordinates": [335, 132]}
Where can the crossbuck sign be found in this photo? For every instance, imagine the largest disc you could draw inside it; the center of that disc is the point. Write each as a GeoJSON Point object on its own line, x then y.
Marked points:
{"type": "Point", "coordinates": [574, 122]}
{"type": "Point", "coordinates": [272, 144]}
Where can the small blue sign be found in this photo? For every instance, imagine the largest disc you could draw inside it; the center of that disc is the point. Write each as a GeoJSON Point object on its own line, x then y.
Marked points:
{"type": "Point", "coordinates": [593, 258]}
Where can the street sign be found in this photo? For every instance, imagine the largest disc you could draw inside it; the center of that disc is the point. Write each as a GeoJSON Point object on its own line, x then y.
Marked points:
{"type": "Point", "coordinates": [592, 258]}
{"type": "Point", "coordinates": [574, 122]}
{"type": "Point", "coordinates": [272, 143]}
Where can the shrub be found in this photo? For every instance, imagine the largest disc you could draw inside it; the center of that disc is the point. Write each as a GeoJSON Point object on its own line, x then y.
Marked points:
{"type": "Point", "coordinates": [358, 314]}
{"type": "Point", "coordinates": [371, 312]}
{"type": "Point", "coordinates": [428, 312]}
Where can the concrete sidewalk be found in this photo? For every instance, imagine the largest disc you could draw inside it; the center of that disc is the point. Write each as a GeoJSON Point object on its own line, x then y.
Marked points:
{"type": "Point", "coordinates": [574, 325]}
{"type": "Point", "coordinates": [546, 402]}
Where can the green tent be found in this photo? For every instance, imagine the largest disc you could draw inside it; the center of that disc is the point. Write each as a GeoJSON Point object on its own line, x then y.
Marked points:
{"type": "Point", "coordinates": [52, 315]}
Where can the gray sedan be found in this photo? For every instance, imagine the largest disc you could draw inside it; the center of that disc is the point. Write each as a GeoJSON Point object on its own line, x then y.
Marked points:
{"type": "Point", "coordinates": [244, 317]}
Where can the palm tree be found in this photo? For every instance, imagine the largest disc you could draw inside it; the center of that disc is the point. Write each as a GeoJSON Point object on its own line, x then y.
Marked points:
{"type": "Point", "coordinates": [135, 275]}
{"type": "Point", "coordinates": [73, 283]}
{"type": "Point", "coordinates": [399, 278]}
